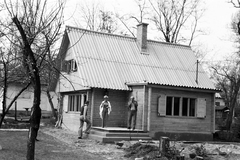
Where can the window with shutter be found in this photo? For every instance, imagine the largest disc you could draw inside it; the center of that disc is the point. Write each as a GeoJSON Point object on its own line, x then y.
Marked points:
{"type": "Point", "coordinates": [73, 65]}
{"type": "Point", "coordinates": [64, 66]}
{"type": "Point", "coordinates": [69, 66]}
{"type": "Point", "coordinates": [162, 105]}
{"type": "Point", "coordinates": [201, 107]}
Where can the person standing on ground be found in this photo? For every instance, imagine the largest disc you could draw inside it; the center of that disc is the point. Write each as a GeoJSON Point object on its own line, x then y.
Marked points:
{"type": "Point", "coordinates": [105, 109]}
{"type": "Point", "coordinates": [132, 113]}
{"type": "Point", "coordinates": [83, 118]}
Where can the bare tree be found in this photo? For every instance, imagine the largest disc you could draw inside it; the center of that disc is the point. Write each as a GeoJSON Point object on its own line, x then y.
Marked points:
{"type": "Point", "coordinates": [227, 75]}
{"type": "Point", "coordinates": [235, 3]}
{"type": "Point", "coordinates": [94, 17]}
{"type": "Point", "coordinates": [142, 7]}
{"type": "Point", "coordinates": [10, 73]}
{"type": "Point", "coordinates": [140, 17]}
{"type": "Point", "coordinates": [228, 80]}
{"type": "Point", "coordinates": [173, 18]}
{"type": "Point", "coordinates": [34, 20]}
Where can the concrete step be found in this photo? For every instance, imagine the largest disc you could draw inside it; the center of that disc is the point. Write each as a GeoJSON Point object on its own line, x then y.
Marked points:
{"type": "Point", "coordinates": [114, 139]}
{"type": "Point", "coordinates": [112, 135]}
{"type": "Point", "coordinates": [120, 134]}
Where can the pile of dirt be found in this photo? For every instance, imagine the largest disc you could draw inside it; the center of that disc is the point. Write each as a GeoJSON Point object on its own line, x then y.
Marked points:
{"type": "Point", "coordinates": [139, 150]}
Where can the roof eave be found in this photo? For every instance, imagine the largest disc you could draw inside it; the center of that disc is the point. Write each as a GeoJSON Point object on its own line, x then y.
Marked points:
{"type": "Point", "coordinates": [172, 86]}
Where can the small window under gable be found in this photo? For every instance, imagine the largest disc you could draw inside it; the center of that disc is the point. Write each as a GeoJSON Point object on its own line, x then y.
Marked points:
{"type": "Point", "coordinates": [73, 65]}
{"type": "Point", "coordinates": [69, 66]}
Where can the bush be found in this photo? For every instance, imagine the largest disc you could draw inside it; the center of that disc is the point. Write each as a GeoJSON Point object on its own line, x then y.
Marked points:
{"type": "Point", "coordinates": [201, 151]}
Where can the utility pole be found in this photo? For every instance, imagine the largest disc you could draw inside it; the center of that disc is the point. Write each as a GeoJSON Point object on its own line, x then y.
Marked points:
{"type": "Point", "coordinates": [197, 72]}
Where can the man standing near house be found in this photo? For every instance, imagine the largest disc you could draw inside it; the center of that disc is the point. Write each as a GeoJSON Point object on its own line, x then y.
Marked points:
{"type": "Point", "coordinates": [83, 118]}
{"type": "Point", "coordinates": [132, 113]}
{"type": "Point", "coordinates": [105, 109]}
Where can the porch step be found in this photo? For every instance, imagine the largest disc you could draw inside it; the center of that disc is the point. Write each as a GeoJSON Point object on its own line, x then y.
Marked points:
{"type": "Point", "coordinates": [110, 135]}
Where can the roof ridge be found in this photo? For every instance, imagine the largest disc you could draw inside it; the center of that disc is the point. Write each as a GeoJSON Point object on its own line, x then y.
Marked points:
{"type": "Point", "coordinates": [98, 32]}
{"type": "Point", "coordinates": [168, 43]}
{"type": "Point", "coordinates": [122, 36]}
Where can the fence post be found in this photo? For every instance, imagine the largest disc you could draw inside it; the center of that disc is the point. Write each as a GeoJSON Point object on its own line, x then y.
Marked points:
{"type": "Point", "coordinates": [15, 110]}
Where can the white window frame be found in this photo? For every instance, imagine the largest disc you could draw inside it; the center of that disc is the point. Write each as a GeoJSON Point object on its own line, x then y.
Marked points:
{"type": "Point", "coordinates": [75, 101]}
{"type": "Point", "coordinates": [73, 65]}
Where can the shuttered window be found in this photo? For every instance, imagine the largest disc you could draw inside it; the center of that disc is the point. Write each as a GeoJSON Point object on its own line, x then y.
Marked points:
{"type": "Point", "coordinates": [181, 106]}
{"type": "Point", "coordinates": [69, 66]}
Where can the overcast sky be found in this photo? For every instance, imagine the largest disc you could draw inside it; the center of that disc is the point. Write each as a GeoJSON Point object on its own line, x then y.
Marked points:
{"type": "Point", "coordinates": [217, 42]}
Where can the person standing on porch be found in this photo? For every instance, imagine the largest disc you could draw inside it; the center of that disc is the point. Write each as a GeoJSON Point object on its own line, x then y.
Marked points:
{"type": "Point", "coordinates": [83, 118]}
{"type": "Point", "coordinates": [105, 109]}
{"type": "Point", "coordinates": [132, 113]}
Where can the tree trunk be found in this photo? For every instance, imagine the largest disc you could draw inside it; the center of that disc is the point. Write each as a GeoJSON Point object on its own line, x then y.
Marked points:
{"type": "Point", "coordinates": [2, 118]}
{"type": "Point", "coordinates": [4, 111]}
{"type": "Point", "coordinates": [232, 104]}
{"type": "Point", "coordinates": [33, 130]}
{"type": "Point", "coordinates": [30, 64]}
{"type": "Point", "coordinates": [35, 116]}
{"type": "Point", "coordinates": [51, 104]}
{"type": "Point", "coordinates": [229, 118]}
{"type": "Point", "coordinates": [60, 113]}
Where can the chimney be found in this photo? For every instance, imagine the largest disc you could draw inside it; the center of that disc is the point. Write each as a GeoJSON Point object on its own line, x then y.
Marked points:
{"type": "Point", "coordinates": [142, 36]}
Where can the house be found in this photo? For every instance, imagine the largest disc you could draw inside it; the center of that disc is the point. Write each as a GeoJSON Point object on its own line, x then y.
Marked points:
{"type": "Point", "coordinates": [23, 104]}
{"type": "Point", "coordinates": [175, 96]}
{"type": "Point", "coordinates": [221, 112]}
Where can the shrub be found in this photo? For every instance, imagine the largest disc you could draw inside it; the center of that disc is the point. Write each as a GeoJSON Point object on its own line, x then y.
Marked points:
{"type": "Point", "coordinates": [201, 151]}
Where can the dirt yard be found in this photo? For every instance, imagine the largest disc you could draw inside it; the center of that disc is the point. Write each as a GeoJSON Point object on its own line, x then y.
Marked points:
{"type": "Point", "coordinates": [129, 150]}
{"type": "Point", "coordinates": [148, 150]}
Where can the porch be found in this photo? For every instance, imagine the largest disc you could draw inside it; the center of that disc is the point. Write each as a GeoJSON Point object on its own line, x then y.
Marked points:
{"type": "Point", "coordinates": [113, 134]}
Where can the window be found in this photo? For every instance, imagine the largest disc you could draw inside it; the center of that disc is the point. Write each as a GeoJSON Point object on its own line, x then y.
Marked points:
{"type": "Point", "coordinates": [173, 106]}
{"type": "Point", "coordinates": [188, 107]}
{"type": "Point", "coordinates": [169, 106]}
{"type": "Point", "coordinates": [180, 106]}
{"type": "Point", "coordinates": [69, 66]}
{"type": "Point", "coordinates": [192, 107]}
{"type": "Point", "coordinates": [73, 65]}
{"type": "Point", "coordinates": [76, 101]}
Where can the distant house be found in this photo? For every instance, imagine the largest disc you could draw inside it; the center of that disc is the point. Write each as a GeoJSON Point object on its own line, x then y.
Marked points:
{"type": "Point", "coordinates": [25, 100]}
{"type": "Point", "coordinates": [221, 111]}
{"type": "Point", "coordinates": [16, 81]}
{"type": "Point", "coordinates": [175, 96]}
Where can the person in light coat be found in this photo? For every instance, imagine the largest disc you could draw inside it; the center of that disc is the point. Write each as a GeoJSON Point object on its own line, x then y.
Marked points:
{"type": "Point", "coordinates": [105, 109]}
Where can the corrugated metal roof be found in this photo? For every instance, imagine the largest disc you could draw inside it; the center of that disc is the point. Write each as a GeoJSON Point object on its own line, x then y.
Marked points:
{"type": "Point", "coordinates": [110, 61]}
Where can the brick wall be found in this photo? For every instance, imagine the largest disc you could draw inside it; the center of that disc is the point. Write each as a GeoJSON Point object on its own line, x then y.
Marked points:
{"type": "Point", "coordinates": [118, 100]}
